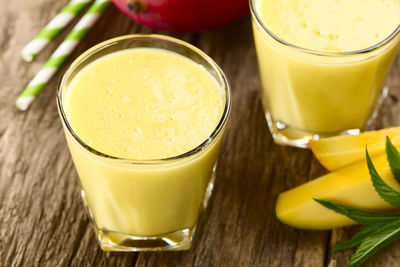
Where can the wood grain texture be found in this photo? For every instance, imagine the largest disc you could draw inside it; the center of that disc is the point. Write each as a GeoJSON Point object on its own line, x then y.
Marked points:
{"type": "Point", "coordinates": [42, 220]}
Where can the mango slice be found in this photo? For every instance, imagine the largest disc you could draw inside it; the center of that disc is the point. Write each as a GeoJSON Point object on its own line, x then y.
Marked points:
{"type": "Point", "coordinates": [351, 186]}
{"type": "Point", "coordinates": [340, 151]}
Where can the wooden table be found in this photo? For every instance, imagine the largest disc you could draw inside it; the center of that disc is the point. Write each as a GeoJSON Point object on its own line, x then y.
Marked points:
{"type": "Point", "coordinates": [42, 218]}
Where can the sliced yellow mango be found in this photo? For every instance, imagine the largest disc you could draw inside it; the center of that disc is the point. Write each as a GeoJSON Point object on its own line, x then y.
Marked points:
{"type": "Point", "coordinates": [351, 186]}
{"type": "Point", "coordinates": [339, 151]}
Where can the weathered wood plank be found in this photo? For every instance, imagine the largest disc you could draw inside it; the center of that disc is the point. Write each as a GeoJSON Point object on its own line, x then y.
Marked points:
{"type": "Point", "coordinates": [42, 219]}
{"type": "Point", "coordinates": [41, 215]}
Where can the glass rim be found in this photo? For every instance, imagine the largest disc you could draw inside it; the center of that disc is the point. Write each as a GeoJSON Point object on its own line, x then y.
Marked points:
{"type": "Point", "coordinates": [154, 37]}
{"type": "Point", "coordinates": [254, 14]}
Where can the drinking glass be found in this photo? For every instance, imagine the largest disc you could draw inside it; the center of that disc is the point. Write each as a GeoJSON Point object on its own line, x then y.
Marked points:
{"type": "Point", "coordinates": [309, 94]}
{"type": "Point", "coordinates": [145, 204]}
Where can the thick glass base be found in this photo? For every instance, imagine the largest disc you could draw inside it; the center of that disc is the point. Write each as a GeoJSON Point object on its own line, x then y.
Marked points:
{"type": "Point", "coordinates": [114, 241]}
{"type": "Point", "coordinates": [178, 240]}
{"type": "Point", "coordinates": [285, 134]}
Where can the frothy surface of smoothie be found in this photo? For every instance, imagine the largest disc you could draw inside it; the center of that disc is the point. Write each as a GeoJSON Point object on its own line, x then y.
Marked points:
{"type": "Point", "coordinates": [143, 103]}
{"type": "Point", "coordinates": [330, 25]}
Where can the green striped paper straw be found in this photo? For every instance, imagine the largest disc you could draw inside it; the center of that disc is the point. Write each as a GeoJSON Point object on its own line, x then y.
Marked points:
{"type": "Point", "coordinates": [61, 54]}
{"type": "Point", "coordinates": [55, 26]}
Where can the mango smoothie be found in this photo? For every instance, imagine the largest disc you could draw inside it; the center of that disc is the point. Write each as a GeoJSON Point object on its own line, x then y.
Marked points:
{"type": "Point", "coordinates": [144, 126]}
{"type": "Point", "coordinates": [323, 63]}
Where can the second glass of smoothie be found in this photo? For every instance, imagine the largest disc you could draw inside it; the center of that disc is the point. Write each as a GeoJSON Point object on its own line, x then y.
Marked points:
{"type": "Point", "coordinates": [144, 116]}
{"type": "Point", "coordinates": [323, 64]}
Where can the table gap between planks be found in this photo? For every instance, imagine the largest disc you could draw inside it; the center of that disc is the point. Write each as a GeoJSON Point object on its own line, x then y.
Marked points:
{"type": "Point", "coordinates": [42, 219]}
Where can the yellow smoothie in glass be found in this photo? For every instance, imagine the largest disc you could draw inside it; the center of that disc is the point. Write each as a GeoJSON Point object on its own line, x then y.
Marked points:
{"type": "Point", "coordinates": [143, 105]}
{"type": "Point", "coordinates": [316, 79]}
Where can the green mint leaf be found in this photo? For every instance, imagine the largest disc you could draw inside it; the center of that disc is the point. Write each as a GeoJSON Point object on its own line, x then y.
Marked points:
{"type": "Point", "coordinates": [360, 216]}
{"type": "Point", "coordinates": [355, 240]}
{"type": "Point", "coordinates": [393, 158]}
{"type": "Point", "coordinates": [390, 195]}
{"type": "Point", "coordinates": [376, 240]}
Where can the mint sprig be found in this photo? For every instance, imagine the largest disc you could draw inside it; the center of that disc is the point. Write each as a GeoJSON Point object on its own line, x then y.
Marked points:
{"type": "Point", "coordinates": [382, 228]}
{"type": "Point", "coordinates": [388, 194]}
{"type": "Point", "coordinates": [361, 216]}
{"type": "Point", "coordinates": [393, 159]}
{"type": "Point", "coordinates": [355, 240]}
{"type": "Point", "coordinates": [374, 241]}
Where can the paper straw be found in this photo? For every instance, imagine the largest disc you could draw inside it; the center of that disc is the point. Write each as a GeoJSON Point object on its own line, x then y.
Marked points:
{"type": "Point", "coordinates": [61, 54]}
{"type": "Point", "coordinates": [55, 26]}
